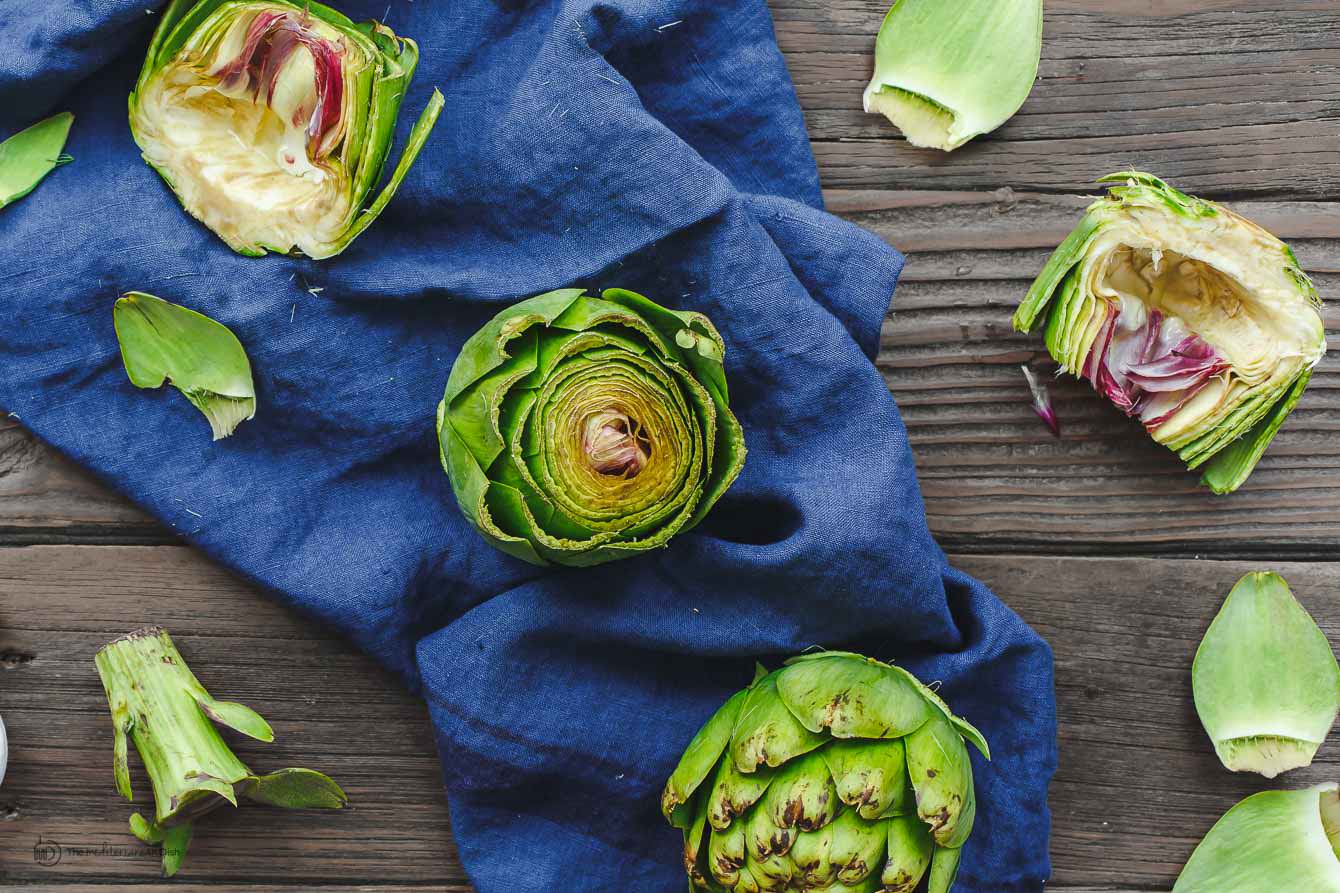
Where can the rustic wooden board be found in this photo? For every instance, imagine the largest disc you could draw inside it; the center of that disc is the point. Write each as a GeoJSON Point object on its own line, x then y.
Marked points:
{"type": "Point", "coordinates": [1138, 783]}
{"type": "Point", "coordinates": [1229, 98]}
{"type": "Point", "coordinates": [992, 474]}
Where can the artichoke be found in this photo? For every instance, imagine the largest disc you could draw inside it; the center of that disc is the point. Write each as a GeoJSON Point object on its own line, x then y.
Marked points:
{"type": "Point", "coordinates": [1186, 316]}
{"type": "Point", "coordinates": [272, 120]}
{"type": "Point", "coordinates": [29, 155]}
{"type": "Point", "coordinates": [579, 430]}
{"type": "Point", "coordinates": [835, 773]}
{"type": "Point", "coordinates": [157, 702]}
{"type": "Point", "coordinates": [1272, 842]}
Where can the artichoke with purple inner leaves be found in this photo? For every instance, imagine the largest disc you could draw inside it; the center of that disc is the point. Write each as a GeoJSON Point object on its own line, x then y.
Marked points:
{"type": "Point", "coordinates": [835, 774]}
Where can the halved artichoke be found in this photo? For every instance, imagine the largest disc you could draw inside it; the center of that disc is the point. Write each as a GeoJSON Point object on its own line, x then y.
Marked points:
{"type": "Point", "coordinates": [1184, 315]}
{"type": "Point", "coordinates": [272, 120]}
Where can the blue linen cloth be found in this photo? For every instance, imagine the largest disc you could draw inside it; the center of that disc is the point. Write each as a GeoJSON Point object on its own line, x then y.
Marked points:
{"type": "Point", "coordinates": [650, 144]}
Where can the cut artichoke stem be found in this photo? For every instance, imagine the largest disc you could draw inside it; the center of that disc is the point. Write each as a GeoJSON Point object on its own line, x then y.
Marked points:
{"type": "Point", "coordinates": [272, 120]}
{"type": "Point", "coordinates": [1185, 316]}
{"type": "Point", "coordinates": [157, 702]}
{"type": "Point", "coordinates": [1265, 680]}
{"type": "Point", "coordinates": [1272, 842]}
{"type": "Point", "coordinates": [800, 782]}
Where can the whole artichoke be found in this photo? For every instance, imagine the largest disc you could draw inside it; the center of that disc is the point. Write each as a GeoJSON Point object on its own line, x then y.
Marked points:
{"type": "Point", "coordinates": [835, 773]}
{"type": "Point", "coordinates": [578, 430]}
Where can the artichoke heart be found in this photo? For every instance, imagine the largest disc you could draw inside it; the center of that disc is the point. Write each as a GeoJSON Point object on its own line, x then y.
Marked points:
{"type": "Point", "coordinates": [578, 429]}
{"type": "Point", "coordinates": [272, 120]}
{"type": "Point", "coordinates": [835, 773]}
{"type": "Point", "coordinates": [1184, 315]}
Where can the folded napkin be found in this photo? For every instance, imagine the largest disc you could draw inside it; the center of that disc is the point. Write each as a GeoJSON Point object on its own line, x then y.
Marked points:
{"type": "Point", "coordinates": [655, 145]}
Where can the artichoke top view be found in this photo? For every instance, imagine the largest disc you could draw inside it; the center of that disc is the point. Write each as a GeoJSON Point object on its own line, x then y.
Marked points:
{"type": "Point", "coordinates": [578, 429]}
{"type": "Point", "coordinates": [1184, 315]}
{"type": "Point", "coordinates": [272, 120]}
{"type": "Point", "coordinates": [836, 773]}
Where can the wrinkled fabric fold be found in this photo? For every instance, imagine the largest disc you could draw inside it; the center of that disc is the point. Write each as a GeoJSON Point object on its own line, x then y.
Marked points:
{"type": "Point", "coordinates": [654, 145]}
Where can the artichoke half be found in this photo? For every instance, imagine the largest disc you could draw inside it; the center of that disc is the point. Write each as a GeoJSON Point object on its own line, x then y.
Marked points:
{"type": "Point", "coordinates": [836, 773]}
{"type": "Point", "coordinates": [272, 120]}
{"type": "Point", "coordinates": [1186, 316]}
{"type": "Point", "coordinates": [579, 430]}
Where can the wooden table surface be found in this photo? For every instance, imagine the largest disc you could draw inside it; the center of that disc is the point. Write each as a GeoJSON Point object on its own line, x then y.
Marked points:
{"type": "Point", "coordinates": [1099, 539]}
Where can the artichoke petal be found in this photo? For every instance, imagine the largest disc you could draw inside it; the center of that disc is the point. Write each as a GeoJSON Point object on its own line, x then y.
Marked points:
{"type": "Point", "coordinates": [852, 698]}
{"type": "Point", "coordinates": [700, 757]}
{"type": "Point", "coordinates": [734, 792]}
{"type": "Point", "coordinates": [871, 776]}
{"type": "Point", "coordinates": [937, 760]}
{"type": "Point", "coordinates": [910, 848]}
{"type": "Point", "coordinates": [858, 847]}
{"type": "Point", "coordinates": [1265, 680]}
{"type": "Point", "coordinates": [944, 869]}
{"type": "Point", "coordinates": [802, 794]}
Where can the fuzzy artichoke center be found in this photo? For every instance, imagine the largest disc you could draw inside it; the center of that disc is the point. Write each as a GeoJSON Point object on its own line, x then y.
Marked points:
{"type": "Point", "coordinates": [614, 444]}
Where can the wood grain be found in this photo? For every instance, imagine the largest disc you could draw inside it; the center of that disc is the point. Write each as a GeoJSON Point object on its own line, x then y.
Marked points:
{"type": "Point", "coordinates": [1138, 783]}
{"type": "Point", "coordinates": [1228, 98]}
{"type": "Point", "coordinates": [991, 472]}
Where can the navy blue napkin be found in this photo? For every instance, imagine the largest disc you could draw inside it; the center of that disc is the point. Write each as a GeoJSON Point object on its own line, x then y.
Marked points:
{"type": "Point", "coordinates": [655, 145]}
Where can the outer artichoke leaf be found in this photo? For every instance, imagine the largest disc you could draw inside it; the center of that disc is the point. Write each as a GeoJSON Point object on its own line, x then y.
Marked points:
{"type": "Point", "coordinates": [734, 792]}
{"type": "Point", "coordinates": [1230, 467]}
{"type": "Point", "coordinates": [812, 856]}
{"type": "Point", "coordinates": [695, 851]}
{"type": "Point", "coordinates": [802, 794]}
{"type": "Point", "coordinates": [1272, 842]}
{"type": "Point", "coordinates": [176, 840]}
{"type": "Point", "coordinates": [946, 72]}
{"type": "Point", "coordinates": [870, 776]}
{"type": "Point", "coordinates": [701, 756]}
{"type": "Point", "coordinates": [202, 358]}
{"type": "Point", "coordinates": [910, 848]}
{"type": "Point", "coordinates": [968, 730]}
{"type": "Point", "coordinates": [1266, 682]}
{"type": "Point", "coordinates": [767, 733]}
{"type": "Point", "coordinates": [937, 760]}
{"type": "Point", "coordinates": [853, 698]}
{"type": "Point", "coordinates": [29, 155]}
{"type": "Point", "coordinates": [1062, 261]}
{"type": "Point", "coordinates": [487, 348]}
{"type": "Point", "coordinates": [145, 830]}
{"type": "Point", "coordinates": [859, 847]}
{"type": "Point", "coordinates": [944, 869]}
{"type": "Point", "coordinates": [726, 854]}
{"type": "Point", "coordinates": [294, 789]}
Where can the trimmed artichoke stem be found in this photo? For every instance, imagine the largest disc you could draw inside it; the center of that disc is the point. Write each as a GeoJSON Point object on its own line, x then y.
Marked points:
{"type": "Point", "coordinates": [615, 444]}
{"type": "Point", "coordinates": [152, 694]}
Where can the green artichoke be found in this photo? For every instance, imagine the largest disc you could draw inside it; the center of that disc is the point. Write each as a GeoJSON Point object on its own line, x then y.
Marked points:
{"type": "Point", "coordinates": [579, 430]}
{"type": "Point", "coordinates": [835, 773]}
{"type": "Point", "coordinates": [272, 119]}
{"type": "Point", "coordinates": [1186, 316]}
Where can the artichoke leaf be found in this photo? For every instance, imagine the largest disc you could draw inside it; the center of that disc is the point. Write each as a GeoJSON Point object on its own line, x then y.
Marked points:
{"type": "Point", "coordinates": [1265, 680]}
{"type": "Point", "coordinates": [29, 155]}
{"type": "Point", "coordinates": [852, 698]}
{"type": "Point", "coordinates": [700, 757]}
{"type": "Point", "coordinates": [937, 760]}
{"type": "Point", "coordinates": [910, 848]}
{"type": "Point", "coordinates": [947, 72]}
{"type": "Point", "coordinates": [767, 733]}
{"type": "Point", "coordinates": [200, 357]}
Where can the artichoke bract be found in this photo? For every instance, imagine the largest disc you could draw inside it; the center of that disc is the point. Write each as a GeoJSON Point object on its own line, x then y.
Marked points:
{"type": "Point", "coordinates": [157, 702]}
{"type": "Point", "coordinates": [1184, 315]}
{"type": "Point", "coordinates": [947, 72]}
{"type": "Point", "coordinates": [1266, 683]}
{"type": "Point", "coordinates": [1272, 842]}
{"type": "Point", "coordinates": [579, 430]}
{"type": "Point", "coordinates": [29, 155]}
{"type": "Point", "coordinates": [272, 120]}
{"type": "Point", "coordinates": [835, 773]}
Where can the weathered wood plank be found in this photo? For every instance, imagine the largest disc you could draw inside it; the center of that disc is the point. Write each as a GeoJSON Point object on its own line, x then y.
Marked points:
{"type": "Point", "coordinates": [992, 474]}
{"type": "Point", "coordinates": [331, 709]}
{"type": "Point", "coordinates": [1229, 98]}
{"type": "Point", "coordinates": [1138, 784]}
